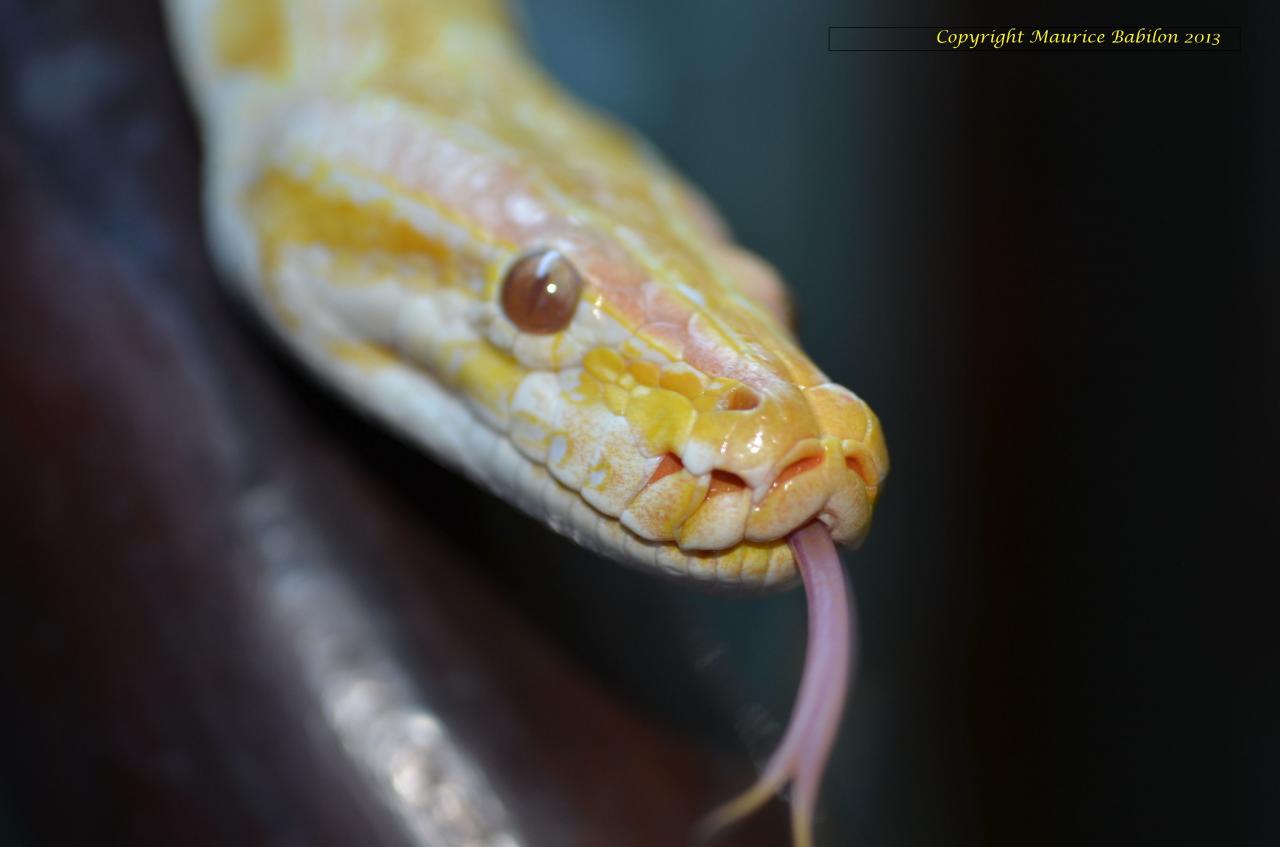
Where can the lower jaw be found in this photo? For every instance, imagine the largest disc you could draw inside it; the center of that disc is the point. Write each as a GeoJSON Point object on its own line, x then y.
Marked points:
{"type": "Point", "coordinates": [745, 566]}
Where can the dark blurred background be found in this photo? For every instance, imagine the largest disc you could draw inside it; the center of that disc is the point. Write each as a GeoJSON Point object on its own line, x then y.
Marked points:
{"type": "Point", "coordinates": [1052, 275]}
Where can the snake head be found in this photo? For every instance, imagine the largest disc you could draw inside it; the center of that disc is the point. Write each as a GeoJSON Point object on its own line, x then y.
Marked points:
{"type": "Point", "coordinates": [571, 326]}
{"type": "Point", "coordinates": [679, 407]}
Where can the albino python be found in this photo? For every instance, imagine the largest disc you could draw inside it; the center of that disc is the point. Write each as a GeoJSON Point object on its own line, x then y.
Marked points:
{"type": "Point", "coordinates": [522, 288]}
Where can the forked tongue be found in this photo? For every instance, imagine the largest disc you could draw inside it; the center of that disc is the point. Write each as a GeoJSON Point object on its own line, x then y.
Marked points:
{"type": "Point", "coordinates": [801, 758]}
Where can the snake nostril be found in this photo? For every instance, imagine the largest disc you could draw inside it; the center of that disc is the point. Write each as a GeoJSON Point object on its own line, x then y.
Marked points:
{"type": "Point", "coordinates": [740, 399]}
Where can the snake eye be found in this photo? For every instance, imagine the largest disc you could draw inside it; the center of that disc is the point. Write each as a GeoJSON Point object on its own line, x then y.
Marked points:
{"type": "Point", "coordinates": [541, 291]}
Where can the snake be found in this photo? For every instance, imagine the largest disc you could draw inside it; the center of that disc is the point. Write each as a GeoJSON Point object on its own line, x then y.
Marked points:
{"type": "Point", "coordinates": [524, 289]}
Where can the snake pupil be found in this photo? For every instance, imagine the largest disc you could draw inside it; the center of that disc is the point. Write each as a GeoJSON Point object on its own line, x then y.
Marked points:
{"type": "Point", "coordinates": [541, 291]}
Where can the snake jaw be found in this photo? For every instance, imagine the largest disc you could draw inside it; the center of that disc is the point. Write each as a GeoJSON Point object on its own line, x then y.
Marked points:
{"type": "Point", "coordinates": [704, 506]}
{"type": "Point", "coordinates": [681, 506]}
{"type": "Point", "coordinates": [834, 477]}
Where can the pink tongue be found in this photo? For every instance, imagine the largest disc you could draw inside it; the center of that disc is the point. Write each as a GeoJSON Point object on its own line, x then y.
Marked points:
{"type": "Point", "coordinates": [802, 756]}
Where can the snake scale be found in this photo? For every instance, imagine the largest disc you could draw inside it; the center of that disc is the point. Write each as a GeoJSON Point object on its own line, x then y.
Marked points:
{"type": "Point", "coordinates": [525, 290]}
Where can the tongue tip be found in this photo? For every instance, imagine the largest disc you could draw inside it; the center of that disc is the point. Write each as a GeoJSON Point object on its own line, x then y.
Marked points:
{"type": "Point", "coordinates": [801, 757]}
{"type": "Point", "coordinates": [735, 810]}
